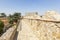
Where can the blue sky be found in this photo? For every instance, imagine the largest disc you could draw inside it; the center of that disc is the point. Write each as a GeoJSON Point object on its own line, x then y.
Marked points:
{"type": "Point", "coordinates": [41, 6]}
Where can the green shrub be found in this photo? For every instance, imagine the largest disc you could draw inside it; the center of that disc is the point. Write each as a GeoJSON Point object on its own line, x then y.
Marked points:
{"type": "Point", "coordinates": [1, 27]}
{"type": "Point", "coordinates": [11, 21]}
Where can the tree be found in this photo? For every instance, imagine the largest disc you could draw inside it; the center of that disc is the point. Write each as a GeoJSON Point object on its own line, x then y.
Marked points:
{"type": "Point", "coordinates": [10, 17]}
{"type": "Point", "coordinates": [3, 15]}
{"type": "Point", "coordinates": [11, 21]}
{"type": "Point", "coordinates": [16, 16]}
{"type": "Point", "coordinates": [1, 27]}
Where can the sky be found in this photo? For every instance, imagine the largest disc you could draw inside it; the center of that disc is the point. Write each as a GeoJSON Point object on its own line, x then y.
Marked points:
{"type": "Point", "coordinates": [23, 6]}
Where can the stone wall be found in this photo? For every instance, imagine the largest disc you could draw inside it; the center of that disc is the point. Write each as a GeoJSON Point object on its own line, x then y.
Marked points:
{"type": "Point", "coordinates": [36, 29]}
{"type": "Point", "coordinates": [9, 34]}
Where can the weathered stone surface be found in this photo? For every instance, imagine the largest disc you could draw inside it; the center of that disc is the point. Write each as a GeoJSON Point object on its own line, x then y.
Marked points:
{"type": "Point", "coordinates": [40, 30]}
{"type": "Point", "coordinates": [26, 32]}
{"type": "Point", "coordinates": [51, 15]}
{"type": "Point", "coordinates": [32, 15]}
{"type": "Point", "coordinates": [9, 34]}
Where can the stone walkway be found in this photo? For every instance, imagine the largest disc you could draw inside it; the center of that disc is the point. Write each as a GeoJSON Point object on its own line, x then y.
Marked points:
{"type": "Point", "coordinates": [26, 32]}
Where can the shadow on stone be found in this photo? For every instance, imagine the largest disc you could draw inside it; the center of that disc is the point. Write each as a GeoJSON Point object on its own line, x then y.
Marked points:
{"type": "Point", "coordinates": [15, 37]}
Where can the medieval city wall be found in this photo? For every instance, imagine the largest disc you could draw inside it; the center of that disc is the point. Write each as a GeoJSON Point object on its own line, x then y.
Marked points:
{"type": "Point", "coordinates": [35, 27]}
